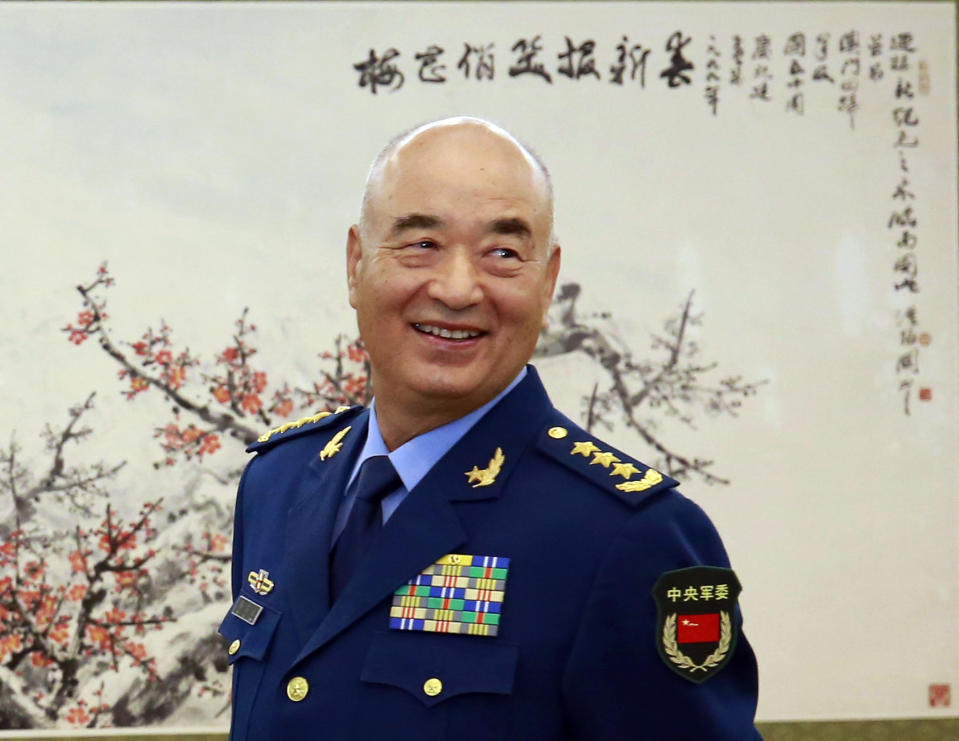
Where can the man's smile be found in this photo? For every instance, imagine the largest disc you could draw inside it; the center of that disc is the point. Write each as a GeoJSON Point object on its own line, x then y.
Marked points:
{"type": "Point", "coordinates": [447, 334]}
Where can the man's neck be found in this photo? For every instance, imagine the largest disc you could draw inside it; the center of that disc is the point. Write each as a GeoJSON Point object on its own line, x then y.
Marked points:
{"type": "Point", "coordinates": [399, 423]}
{"type": "Point", "coordinates": [401, 419]}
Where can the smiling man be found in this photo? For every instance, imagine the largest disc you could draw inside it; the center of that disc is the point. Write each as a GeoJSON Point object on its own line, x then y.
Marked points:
{"type": "Point", "coordinates": [461, 561]}
{"type": "Point", "coordinates": [451, 271]}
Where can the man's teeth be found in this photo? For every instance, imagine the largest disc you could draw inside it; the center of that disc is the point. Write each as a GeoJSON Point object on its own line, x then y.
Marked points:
{"type": "Point", "coordinates": [449, 334]}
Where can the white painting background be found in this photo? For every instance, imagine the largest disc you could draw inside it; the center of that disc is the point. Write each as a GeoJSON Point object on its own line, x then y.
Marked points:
{"type": "Point", "coordinates": [214, 156]}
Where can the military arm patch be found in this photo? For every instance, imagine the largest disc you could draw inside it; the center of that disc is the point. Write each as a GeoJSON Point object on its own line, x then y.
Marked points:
{"type": "Point", "coordinates": [289, 430]}
{"type": "Point", "coordinates": [616, 473]}
{"type": "Point", "coordinates": [695, 629]}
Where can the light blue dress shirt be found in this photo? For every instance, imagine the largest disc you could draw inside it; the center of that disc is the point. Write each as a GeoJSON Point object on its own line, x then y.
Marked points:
{"type": "Point", "coordinates": [414, 458]}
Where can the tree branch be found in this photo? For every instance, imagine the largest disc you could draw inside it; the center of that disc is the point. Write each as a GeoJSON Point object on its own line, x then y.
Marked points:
{"type": "Point", "coordinates": [221, 422]}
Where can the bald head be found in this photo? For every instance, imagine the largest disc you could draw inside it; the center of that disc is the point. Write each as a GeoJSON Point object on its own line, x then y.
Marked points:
{"type": "Point", "coordinates": [451, 141]}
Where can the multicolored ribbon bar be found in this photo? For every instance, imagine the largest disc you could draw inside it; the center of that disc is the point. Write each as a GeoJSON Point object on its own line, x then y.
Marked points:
{"type": "Point", "coordinates": [460, 594]}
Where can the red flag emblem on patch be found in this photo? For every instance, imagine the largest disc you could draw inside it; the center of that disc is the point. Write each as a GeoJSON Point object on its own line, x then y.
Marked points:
{"type": "Point", "coordinates": [697, 628]}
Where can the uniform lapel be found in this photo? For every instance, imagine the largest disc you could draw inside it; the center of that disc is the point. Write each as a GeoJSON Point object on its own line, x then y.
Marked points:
{"type": "Point", "coordinates": [425, 526]}
{"type": "Point", "coordinates": [310, 527]}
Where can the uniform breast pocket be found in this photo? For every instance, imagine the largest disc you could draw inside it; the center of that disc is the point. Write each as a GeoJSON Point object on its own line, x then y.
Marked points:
{"type": "Point", "coordinates": [436, 686]}
{"type": "Point", "coordinates": [248, 639]}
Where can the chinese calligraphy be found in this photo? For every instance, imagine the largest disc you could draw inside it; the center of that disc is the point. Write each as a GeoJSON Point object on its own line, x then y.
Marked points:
{"type": "Point", "coordinates": [903, 220]}
{"type": "Point", "coordinates": [637, 57]}
{"type": "Point", "coordinates": [675, 74]}
{"type": "Point", "coordinates": [526, 64]}
{"type": "Point", "coordinates": [378, 71]}
{"type": "Point", "coordinates": [796, 68]}
{"type": "Point", "coordinates": [482, 60]}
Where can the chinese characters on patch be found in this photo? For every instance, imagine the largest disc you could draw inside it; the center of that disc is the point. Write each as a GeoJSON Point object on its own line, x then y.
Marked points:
{"type": "Point", "coordinates": [702, 592]}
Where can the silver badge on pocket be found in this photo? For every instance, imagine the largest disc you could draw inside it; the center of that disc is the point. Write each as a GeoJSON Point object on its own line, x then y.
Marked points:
{"type": "Point", "coordinates": [247, 610]}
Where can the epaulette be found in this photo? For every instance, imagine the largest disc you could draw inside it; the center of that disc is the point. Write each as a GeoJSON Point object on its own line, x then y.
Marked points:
{"type": "Point", "coordinates": [289, 430]}
{"type": "Point", "coordinates": [612, 471]}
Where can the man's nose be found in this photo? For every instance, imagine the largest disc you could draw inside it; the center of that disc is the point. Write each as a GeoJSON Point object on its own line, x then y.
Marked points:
{"type": "Point", "coordinates": [456, 282]}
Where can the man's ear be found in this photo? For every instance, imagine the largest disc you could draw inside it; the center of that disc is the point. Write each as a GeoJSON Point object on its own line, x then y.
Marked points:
{"type": "Point", "coordinates": [552, 272]}
{"type": "Point", "coordinates": [354, 259]}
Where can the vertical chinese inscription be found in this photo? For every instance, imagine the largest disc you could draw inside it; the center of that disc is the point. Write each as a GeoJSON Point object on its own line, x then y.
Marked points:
{"type": "Point", "coordinates": [712, 75]}
{"type": "Point", "coordinates": [736, 65]}
{"type": "Point", "coordinates": [795, 53]}
{"type": "Point", "coordinates": [820, 72]}
{"type": "Point", "coordinates": [762, 76]}
{"type": "Point", "coordinates": [849, 70]}
{"type": "Point", "coordinates": [903, 221]}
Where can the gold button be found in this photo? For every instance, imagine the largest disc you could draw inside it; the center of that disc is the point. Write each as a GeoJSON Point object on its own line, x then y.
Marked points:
{"type": "Point", "coordinates": [454, 558]}
{"type": "Point", "coordinates": [297, 688]}
{"type": "Point", "coordinates": [234, 647]}
{"type": "Point", "coordinates": [557, 433]}
{"type": "Point", "coordinates": [432, 686]}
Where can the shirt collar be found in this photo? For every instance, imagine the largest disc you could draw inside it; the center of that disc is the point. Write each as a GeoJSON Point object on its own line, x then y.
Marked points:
{"type": "Point", "coordinates": [414, 458]}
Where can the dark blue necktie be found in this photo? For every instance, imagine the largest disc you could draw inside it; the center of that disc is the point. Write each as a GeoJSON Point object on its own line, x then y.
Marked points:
{"type": "Point", "coordinates": [376, 479]}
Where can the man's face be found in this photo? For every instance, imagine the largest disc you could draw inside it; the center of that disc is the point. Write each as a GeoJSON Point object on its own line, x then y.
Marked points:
{"type": "Point", "coordinates": [453, 272]}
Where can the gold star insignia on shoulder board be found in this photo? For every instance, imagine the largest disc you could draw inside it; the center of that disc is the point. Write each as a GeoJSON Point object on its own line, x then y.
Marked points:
{"type": "Point", "coordinates": [486, 476]}
{"type": "Point", "coordinates": [624, 469]}
{"type": "Point", "coordinates": [604, 459]}
{"type": "Point", "coordinates": [614, 472]}
{"type": "Point", "coordinates": [585, 449]}
{"type": "Point", "coordinates": [333, 446]}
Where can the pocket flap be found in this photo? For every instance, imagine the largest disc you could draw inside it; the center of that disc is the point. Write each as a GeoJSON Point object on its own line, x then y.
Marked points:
{"type": "Point", "coordinates": [462, 664]}
{"type": "Point", "coordinates": [246, 640]}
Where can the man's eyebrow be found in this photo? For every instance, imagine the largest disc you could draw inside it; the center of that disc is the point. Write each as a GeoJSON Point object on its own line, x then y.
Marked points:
{"type": "Point", "coordinates": [510, 226]}
{"type": "Point", "coordinates": [414, 221]}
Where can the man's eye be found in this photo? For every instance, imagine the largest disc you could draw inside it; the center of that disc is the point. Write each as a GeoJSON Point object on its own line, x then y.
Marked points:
{"type": "Point", "coordinates": [504, 252]}
{"type": "Point", "coordinates": [424, 244]}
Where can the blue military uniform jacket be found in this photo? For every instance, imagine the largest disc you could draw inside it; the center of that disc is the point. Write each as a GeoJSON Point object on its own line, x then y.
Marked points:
{"type": "Point", "coordinates": [565, 646]}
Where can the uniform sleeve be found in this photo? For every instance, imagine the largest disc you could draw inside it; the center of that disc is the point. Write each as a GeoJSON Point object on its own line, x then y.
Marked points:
{"type": "Point", "coordinates": [616, 683]}
{"type": "Point", "coordinates": [237, 582]}
{"type": "Point", "coordinates": [237, 558]}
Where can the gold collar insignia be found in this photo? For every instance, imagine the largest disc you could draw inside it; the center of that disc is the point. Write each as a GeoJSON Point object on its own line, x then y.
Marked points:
{"type": "Point", "coordinates": [333, 446]}
{"type": "Point", "coordinates": [486, 476]}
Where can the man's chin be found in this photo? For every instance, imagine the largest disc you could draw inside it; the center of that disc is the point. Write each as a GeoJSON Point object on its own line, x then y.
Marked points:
{"type": "Point", "coordinates": [447, 390]}
{"type": "Point", "coordinates": [465, 391]}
